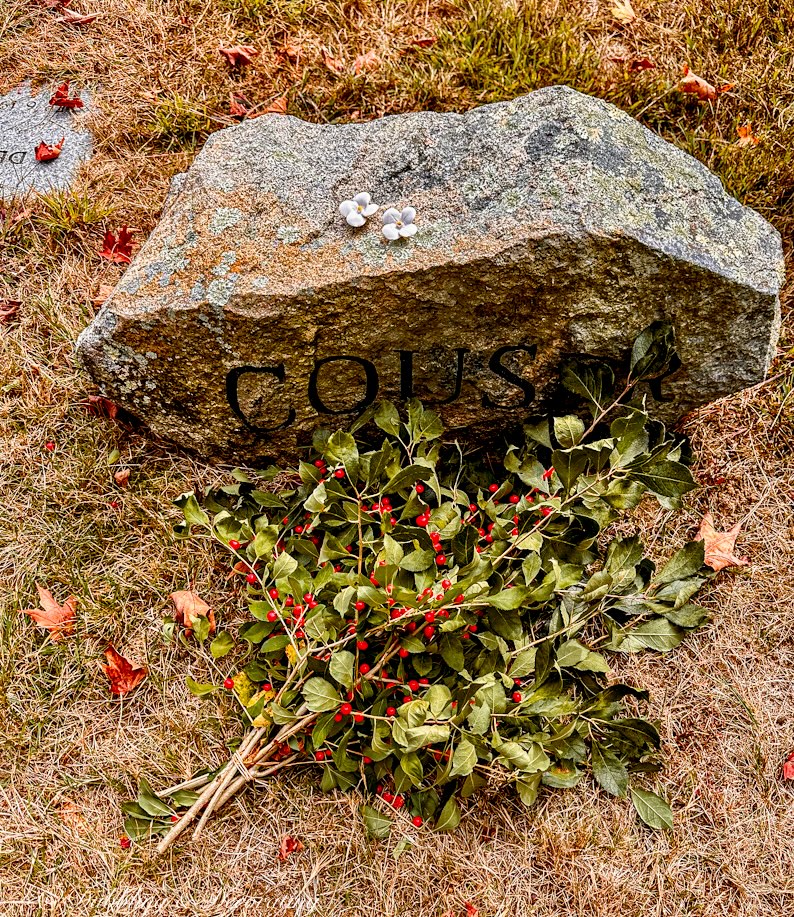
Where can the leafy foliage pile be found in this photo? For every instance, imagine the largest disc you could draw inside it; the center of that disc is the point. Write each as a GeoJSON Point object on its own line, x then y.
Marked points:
{"type": "Point", "coordinates": [421, 628]}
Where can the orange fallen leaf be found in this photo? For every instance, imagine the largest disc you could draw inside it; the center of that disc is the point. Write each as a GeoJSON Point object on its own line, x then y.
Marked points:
{"type": "Point", "coordinates": [239, 106]}
{"type": "Point", "coordinates": [471, 910]}
{"type": "Point", "coordinates": [117, 249]}
{"type": "Point", "coordinates": [45, 152]}
{"type": "Point", "coordinates": [61, 97]}
{"type": "Point", "coordinates": [277, 106]}
{"type": "Point", "coordinates": [288, 845]}
{"type": "Point", "coordinates": [695, 84]}
{"type": "Point", "coordinates": [290, 51]}
{"type": "Point", "coordinates": [719, 546]}
{"type": "Point", "coordinates": [746, 135]}
{"type": "Point", "coordinates": [189, 608]}
{"type": "Point", "coordinates": [623, 11]}
{"type": "Point", "coordinates": [9, 308]}
{"type": "Point", "coordinates": [239, 55]}
{"type": "Point", "coordinates": [331, 62]}
{"type": "Point", "coordinates": [368, 61]}
{"type": "Point", "coordinates": [58, 619]}
{"type": "Point", "coordinates": [100, 406]}
{"type": "Point", "coordinates": [122, 477]}
{"type": "Point", "coordinates": [124, 677]}
{"type": "Point", "coordinates": [788, 767]}
{"type": "Point", "coordinates": [70, 17]}
{"type": "Point", "coordinates": [424, 41]}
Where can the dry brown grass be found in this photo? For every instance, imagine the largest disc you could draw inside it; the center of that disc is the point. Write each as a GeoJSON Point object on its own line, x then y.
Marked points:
{"type": "Point", "coordinates": [69, 755]}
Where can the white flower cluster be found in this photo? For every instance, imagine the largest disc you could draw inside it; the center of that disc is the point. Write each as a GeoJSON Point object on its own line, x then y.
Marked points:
{"type": "Point", "coordinates": [397, 224]}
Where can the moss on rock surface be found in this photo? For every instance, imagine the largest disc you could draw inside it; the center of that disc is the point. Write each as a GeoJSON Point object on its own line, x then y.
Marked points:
{"type": "Point", "coordinates": [549, 227]}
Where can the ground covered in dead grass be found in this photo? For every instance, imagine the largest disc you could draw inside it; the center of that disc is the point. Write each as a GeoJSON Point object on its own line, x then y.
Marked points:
{"type": "Point", "coordinates": [69, 755]}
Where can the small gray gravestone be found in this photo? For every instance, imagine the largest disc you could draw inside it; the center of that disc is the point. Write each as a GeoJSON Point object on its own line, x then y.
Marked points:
{"type": "Point", "coordinates": [548, 228]}
{"type": "Point", "coordinates": [25, 121]}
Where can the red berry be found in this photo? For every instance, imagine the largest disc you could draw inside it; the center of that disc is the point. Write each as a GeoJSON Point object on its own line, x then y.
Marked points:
{"type": "Point", "coordinates": [267, 686]}
{"type": "Point", "coordinates": [174, 818]}
{"type": "Point", "coordinates": [298, 529]}
{"type": "Point", "coordinates": [430, 616]}
{"type": "Point", "coordinates": [429, 631]}
{"type": "Point", "coordinates": [481, 533]}
{"type": "Point", "coordinates": [360, 606]}
{"type": "Point", "coordinates": [125, 842]}
{"type": "Point", "coordinates": [514, 531]}
{"type": "Point", "coordinates": [424, 681]}
{"type": "Point", "coordinates": [399, 802]}
{"type": "Point", "coordinates": [338, 717]}
{"type": "Point", "coordinates": [407, 698]}
{"type": "Point", "coordinates": [410, 626]}
{"type": "Point", "coordinates": [234, 544]}
{"type": "Point", "coordinates": [514, 498]}
{"type": "Point", "coordinates": [418, 821]}
{"type": "Point", "coordinates": [391, 711]}
{"type": "Point", "coordinates": [273, 593]}
{"type": "Point", "coordinates": [345, 709]}
{"type": "Point", "coordinates": [446, 583]}
{"type": "Point", "coordinates": [289, 601]}
{"type": "Point", "coordinates": [285, 520]}
{"type": "Point", "coordinates": [493, 488]}
{"type": "Point", "coordinates": [548, 474]}
{"type": "Point", "coordinates": [339, 473]}
{"type": "Point", "coordinates": [413, 684]}
{"type": "Point", "coordinates": [366, 759]}
{"type": "Point", "coordinates": [319, 756]}
{"type": "Point", "coordinates": [228, 683]}
{"type": "Point", "coordinates": [435, 537]}
{"type": "Point", "coordinates": [459, 598]}
{"type": "Point", "coordinates": [420, 488]}
{"type": "Point", "coordinates": [49, 446]}
{"type": "Point", "coordinates": [473, 508]}
{"type": "Point", "coordinates": [252, 579]}
{"type": "Point", "coordinates": [403, 653]}
{"type": "Point", "coordinates": [422, 520]}
{"type": "Point", "coordinates": [337, 568]}
{"type": "Point", "coordinates": [364, 668]}
{"type": "Point", "coordinates": [465, 636]}
{"type": "Point", "coordinates": [358, 717]}
{"type": "Point", "coordinates": [441, 559]}
{"type": "Point", "coordinates": [362, 645]}
{"type": "Point", "coordinates": [517, 697]}
{"type": "Point", "coordinates": [489, 539]}
{"type": "Point", "coordinates": [388, 797]}
{"type": "Point", "coordinates": [272, 616]}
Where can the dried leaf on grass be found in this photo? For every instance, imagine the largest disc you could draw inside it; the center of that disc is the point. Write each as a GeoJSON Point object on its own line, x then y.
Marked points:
{"type": "Point", "coordinates": [331, 62]}
{"type": "Point", "coordinates": [124, 677]}
{"type": "Point", "coordinates": [9, 309]}
{"type": "Point", "coordinates": [719, 546]}
{"type": "Point", "coordinates": [239, 106]}
{"type": "Point", "coordinates": [61, 98]}
{"type": "Point", "coordinates": [746, 135]}
{"type": "Point", "coordinates": [623, 11]}
{"type": "Point", "coordinates": [190, 607]}
{"type": "Point", "coordinates": [788, 767]}
{"type": "Point", "coordinates": [57, 619]}
{"type": "Point", "coordinates": [46, 153]}
{"type": "Point", "coordinates": [277, 106]}
{"type": "Point", "coordinates": [368, 61]}
{"type": "Point", "coordinates": [71, 17]}
{"type": "Point", "coordinates": [288, 845]}
{"type": "Point", "coordinates": [117, 249]}
{"type": "Point", "coordinates": [122, 477]}
{"type": "Point", "coordinates": [239, 55]}
{"type": "Point", "coordinates": [704, 90]}
{"type": "Point", "coordinates": [424, 41]}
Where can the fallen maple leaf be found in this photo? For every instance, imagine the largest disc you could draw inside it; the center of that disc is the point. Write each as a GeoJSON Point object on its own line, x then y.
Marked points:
{"type": "Point", "coordinates": [58, 619]}
{"type": "Point", "coordinates": [45, 152]}
{"type": "Point", "coordinates": [623, 11]}
{"type": "Point", "coordinates": [123, 676]}
{"type": "Point", "coordinates": [368, 61]}
{"type": "Point", "coordinates": [693, 83]}
{"type": "Point", "coordinates": [719, 546]}
{"type": "Point", "coordinates": [189, 608]}
{"type": "Point", "coordinates": [239, 55]}
{"type": "Point", "coordinates": [9, 308]}
{"type": "Point", "coordinates": [746, 135]}
{"type": "Point", "coordinates": [288, 845]}
{"type": "Point", "coordinates": [70, 17]}
{"type": "Point", "coordinates": [331, 62]}
{"type": "Point", "coordinates": [239, 106]}
{"type": "Point", "coordinates": [117, 249]}
{"type": "Point", "coordinates": [61, 98]}
{"type": "Point", "coordinates": [788, 767]}
{"type": "Point", "coordinates": [122, 477]}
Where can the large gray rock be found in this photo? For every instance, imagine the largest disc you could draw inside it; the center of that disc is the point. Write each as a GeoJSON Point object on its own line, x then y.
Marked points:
{"type": "Point", "coordinates": [25, 121]}
{"type": "Point", "coordinates": [549, 226]}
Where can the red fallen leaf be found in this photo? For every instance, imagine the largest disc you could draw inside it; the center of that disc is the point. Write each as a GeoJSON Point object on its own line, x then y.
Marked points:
{"type": "Point", "coordinates": [471, 910]}
{"type": "Point", "coordinates": [331, 62]}
{"type": "Point", "coordinates": [288, 845]}
{"type": "Point", "coordinates": [61, 98]}
{"type": "Point", "coordinates": [239, 55]}
{"type": "Point", "coordinates": [277, 106]}
{"type": "Point", "coordinates": [788, 767]}
{"type": "Point", "coordinates": [719, 546]}
{"type": "Point", "coordinates": [424, 41]}
{"type": "Point", "coordinates": [123, 676]}
{"type": "Point", "coordinates": [693, 83]}
{"type": "Point", "coordinates": [239, 106]}
{"type": "Point", "coordinates": [100, 406]}
{"type": "Point", "coordinates": [368, 61]}
{"type": "Point", "coordinates": [117, 249]}
{"type": "Point", "coordinates": [70, 17]}
{"type": "Point", "coordinates": [45, 152]}
{"type": "Point", "coordinates": [122, 477]}
{"type": "Point", "coordinates": [746, 135]}
{"type": "Point", "coordinates": [8, 310]}
{"type": "Point", "coordinates": [189, 608]}
{"type": "Point", "coordinates": [58, 619]}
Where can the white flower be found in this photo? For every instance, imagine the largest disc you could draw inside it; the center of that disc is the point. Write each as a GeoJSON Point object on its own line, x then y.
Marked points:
{"type": "Point", "coordinates": [396, 224]}
{"type": "Point", "coordinates": [357, 210]}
